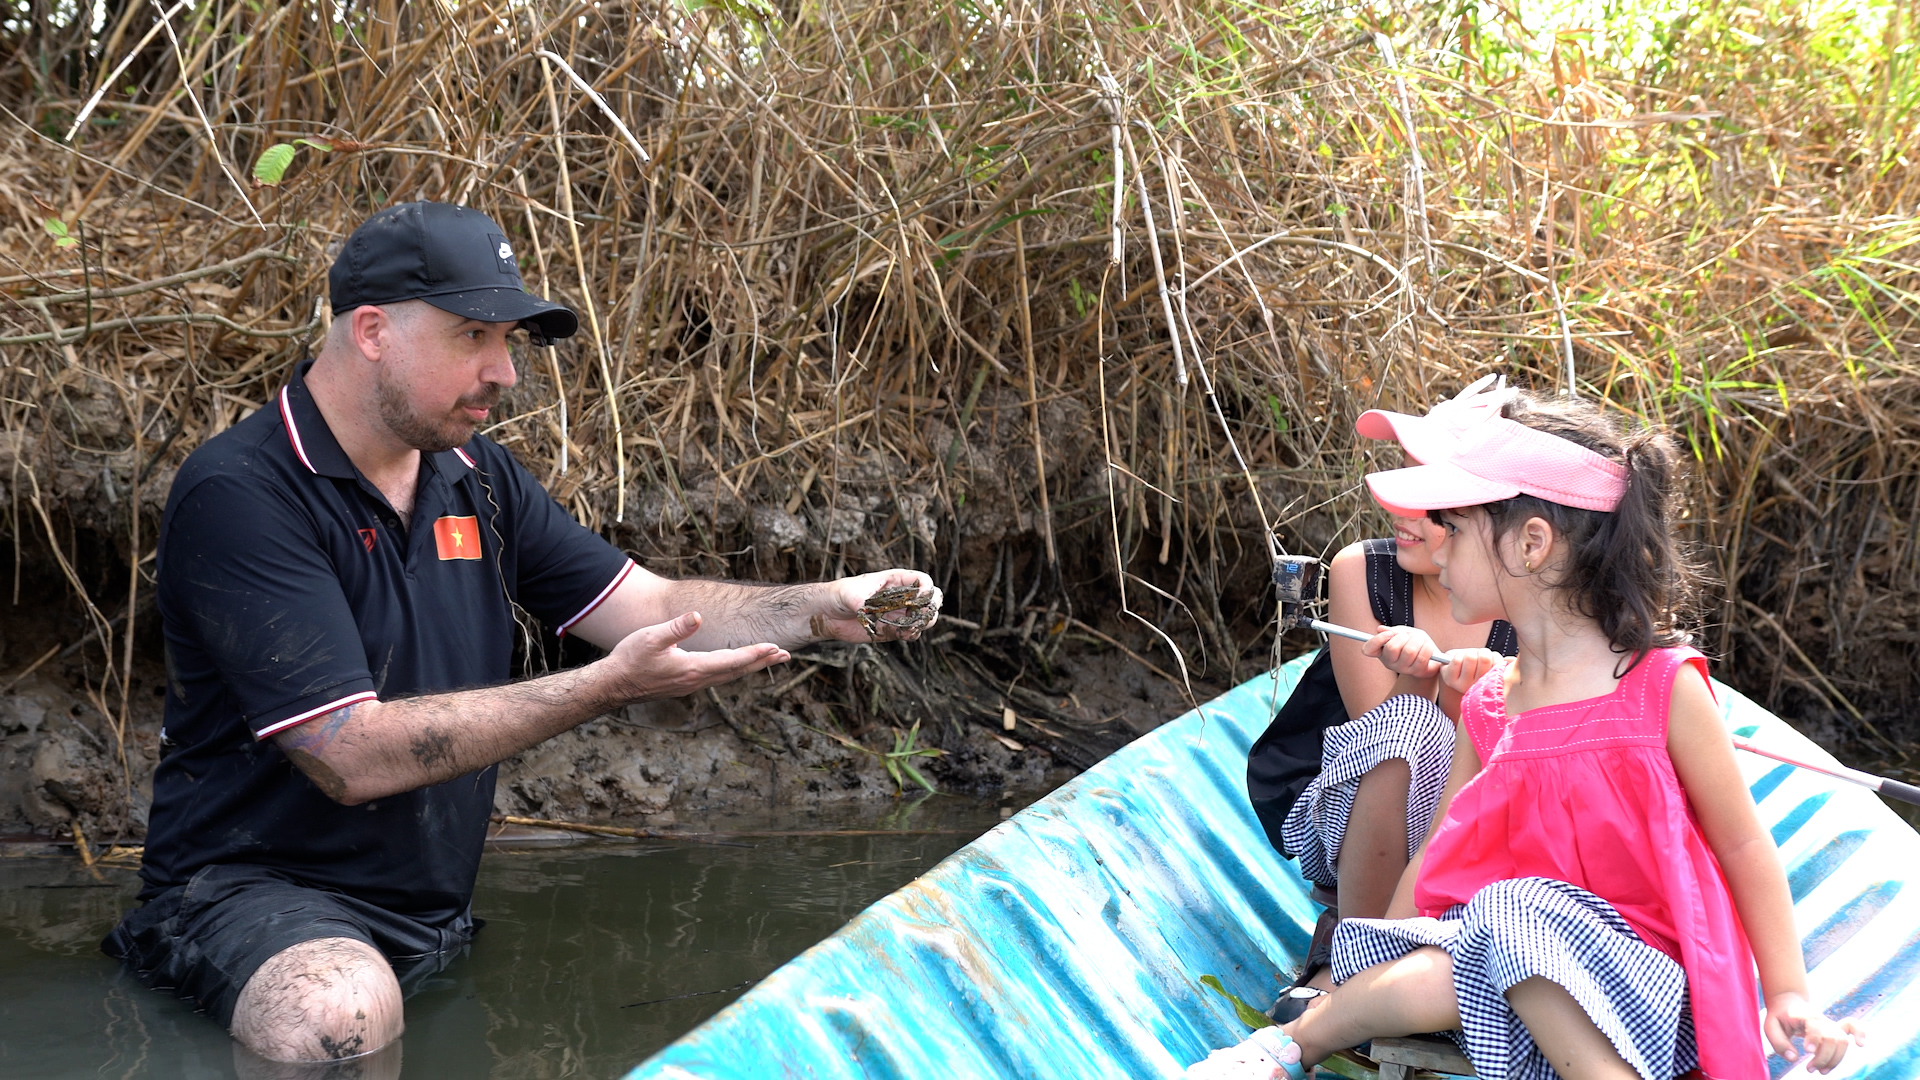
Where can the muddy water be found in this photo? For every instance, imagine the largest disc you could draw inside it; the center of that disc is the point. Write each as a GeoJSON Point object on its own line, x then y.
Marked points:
{"type": "Point", "coordinates": [593, 956]}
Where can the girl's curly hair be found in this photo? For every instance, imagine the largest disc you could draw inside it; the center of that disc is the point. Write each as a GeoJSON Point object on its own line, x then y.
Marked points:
{"type": "Point", "coordinates": [1626, 569]}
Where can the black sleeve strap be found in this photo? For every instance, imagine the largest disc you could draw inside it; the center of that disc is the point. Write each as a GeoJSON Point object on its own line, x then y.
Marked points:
{"type": "Point", "coordinates": [1390, 592]}
{"type": "Point", "coordinates": [1502, 638]}
{"type": "Point", "coordinates": [1389, 588]}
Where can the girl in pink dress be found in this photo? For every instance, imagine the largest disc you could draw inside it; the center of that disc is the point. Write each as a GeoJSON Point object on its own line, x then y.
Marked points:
{"type": "Point", "coordinates": [1597, 892]}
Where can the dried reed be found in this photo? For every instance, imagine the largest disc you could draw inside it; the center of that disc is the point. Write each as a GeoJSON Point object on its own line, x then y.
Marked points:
{"type": "Point", "coordinates": [1048, 298]}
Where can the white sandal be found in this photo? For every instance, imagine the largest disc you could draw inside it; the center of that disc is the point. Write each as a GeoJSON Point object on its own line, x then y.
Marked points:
{"type": "Point", "coordinates": [1267, 1054]}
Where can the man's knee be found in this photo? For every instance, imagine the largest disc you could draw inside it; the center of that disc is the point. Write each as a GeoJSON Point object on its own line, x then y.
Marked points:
{"type": "Point", "coordinates": [323, 1000]}
{"type": "Point", "coordinates": [383, 1064]}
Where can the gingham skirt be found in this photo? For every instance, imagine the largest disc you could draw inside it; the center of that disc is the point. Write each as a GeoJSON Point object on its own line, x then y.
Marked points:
{"type": "Point", "coordinates": [1405, 726]}
{"type": "Point", "coordinates": [1528, 927]}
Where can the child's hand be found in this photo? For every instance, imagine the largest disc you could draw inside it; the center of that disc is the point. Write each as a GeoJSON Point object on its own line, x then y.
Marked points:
{"type": "Point", "coordinates": [1404, 650]}
{"type": "Point", "coordinates": [1790, 1014]}
{"type": "Point", "coordinates": [1468, 666]}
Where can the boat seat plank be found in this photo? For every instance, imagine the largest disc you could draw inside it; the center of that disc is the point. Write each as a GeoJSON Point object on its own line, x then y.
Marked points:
{"type": "Point", "coordinates": [1399, 1058]}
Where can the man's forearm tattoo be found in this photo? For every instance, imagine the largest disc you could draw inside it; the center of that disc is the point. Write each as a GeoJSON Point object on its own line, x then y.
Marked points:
{"type": "Point", "coordinates": [317, 734]}
{"type": "Point", "coordinates": [305, 744]}
{"type": "Point", "coordinates": [432, 747]}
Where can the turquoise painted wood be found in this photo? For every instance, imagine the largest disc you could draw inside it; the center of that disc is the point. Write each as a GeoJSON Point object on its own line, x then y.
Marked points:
{"type": "Point", "coordinates": [1069, 940]}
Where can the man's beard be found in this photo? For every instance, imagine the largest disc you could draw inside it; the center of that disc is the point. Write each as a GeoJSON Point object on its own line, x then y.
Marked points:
{"type": "Point", "coordinates": [426, 433]}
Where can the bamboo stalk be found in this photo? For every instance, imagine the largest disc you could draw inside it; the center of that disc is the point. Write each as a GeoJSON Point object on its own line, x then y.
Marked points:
{"type": "Point", "coordinates": [546, 293]}
{"type": "Point", "coordinates": [165, 21]}
{"type": "Point", "coordinates": [213, 142]}
{"type": "Point", "coordinates": [586, 297]}
{"type": "Point", "coordinates": [1033, 393]}
{"type": "Point", "coordinates": [1159, 270]}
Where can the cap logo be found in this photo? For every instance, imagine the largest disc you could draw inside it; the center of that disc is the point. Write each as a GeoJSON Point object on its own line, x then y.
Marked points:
{"type": "Point", "coordinates": [506, 250]}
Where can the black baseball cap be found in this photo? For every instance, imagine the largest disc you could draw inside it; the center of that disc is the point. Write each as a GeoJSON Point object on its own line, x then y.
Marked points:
{"type": "Point", "coordinates": [453, 257]}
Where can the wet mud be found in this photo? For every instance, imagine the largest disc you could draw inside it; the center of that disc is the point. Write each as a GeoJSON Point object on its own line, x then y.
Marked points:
{"type": "Point", "coordinates": [809, 735]}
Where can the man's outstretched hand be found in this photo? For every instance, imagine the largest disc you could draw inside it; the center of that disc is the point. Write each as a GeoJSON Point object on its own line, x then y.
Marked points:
{"type": "Point", "coordinates": [736, 618]}
{"type": "Point", "coordinates": [649, 663]}
{"type": "Point", "coordinates": [838, 617]}
{"type": "Point", "coordinates": [374, 749]}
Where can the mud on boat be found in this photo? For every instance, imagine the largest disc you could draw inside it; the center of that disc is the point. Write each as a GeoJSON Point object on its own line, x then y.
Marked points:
{"type": "Point", "coordinates": [1069, 941]}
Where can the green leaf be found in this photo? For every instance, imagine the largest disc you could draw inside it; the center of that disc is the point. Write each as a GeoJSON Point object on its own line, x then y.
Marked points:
{"type": "Point", "coordinates": [914, 774]}
{"type": "Point", "coordinates": [1011, 218]}
{"type": "Point", "coordinates": [1248, 1015]}
{"type": "Point", "coordinates": [58, 230]}
{"type": "Point", "coordinates": [272, 166]}
{"type": "Point", "coordinates": [1279, 418]}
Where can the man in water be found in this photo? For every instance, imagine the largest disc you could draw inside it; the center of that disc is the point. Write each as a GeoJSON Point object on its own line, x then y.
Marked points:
{"type": "Point", "coordinates": [339, 576]}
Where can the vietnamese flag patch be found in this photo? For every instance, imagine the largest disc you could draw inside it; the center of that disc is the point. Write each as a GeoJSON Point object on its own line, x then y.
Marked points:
{"type": "Point", "coordinates": [457, 537]}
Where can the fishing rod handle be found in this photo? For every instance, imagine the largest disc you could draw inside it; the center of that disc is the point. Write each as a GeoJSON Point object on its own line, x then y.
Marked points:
{"type": "Point", "coordinates": [1892, 789]}
{"type": "Point", "coordinates": [1895, 789]}
{"type": "Point", "coordinates": [1337, 630]}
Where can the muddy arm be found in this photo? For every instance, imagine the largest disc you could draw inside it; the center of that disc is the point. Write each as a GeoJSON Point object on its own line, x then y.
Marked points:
{"type": "Point", "coordinates": [739, 613]}
{"type": "Point", "coordinates": [374, 749]}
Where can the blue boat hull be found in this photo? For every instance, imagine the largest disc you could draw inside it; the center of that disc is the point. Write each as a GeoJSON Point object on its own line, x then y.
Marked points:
{"type": "Point", "coordinates": [1069, 940]}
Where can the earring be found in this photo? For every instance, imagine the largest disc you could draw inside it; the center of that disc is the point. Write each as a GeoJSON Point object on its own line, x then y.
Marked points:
{"type": "Point", "coordinates": [1529, 566]}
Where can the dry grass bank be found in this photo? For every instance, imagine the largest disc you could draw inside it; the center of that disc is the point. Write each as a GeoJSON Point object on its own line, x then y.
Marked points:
{"type": "Point", "coordinates": [1071, 304]}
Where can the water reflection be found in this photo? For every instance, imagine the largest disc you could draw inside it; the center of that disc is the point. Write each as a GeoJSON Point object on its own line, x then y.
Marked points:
{"type": "Point", "coordinates": [592, 957]}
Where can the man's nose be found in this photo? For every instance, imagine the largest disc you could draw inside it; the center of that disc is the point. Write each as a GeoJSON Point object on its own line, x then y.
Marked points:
{"type": "Point", "coordinates": [499, 369]}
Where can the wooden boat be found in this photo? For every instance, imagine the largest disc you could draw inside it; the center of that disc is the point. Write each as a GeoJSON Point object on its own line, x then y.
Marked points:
{"type": "Point", "coordinates": [1069, 941]}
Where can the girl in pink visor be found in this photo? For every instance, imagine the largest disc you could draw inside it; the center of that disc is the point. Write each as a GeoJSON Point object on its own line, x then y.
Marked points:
{"type": "Point", "coordinates": [1597, 893]}
{"type": "Point", "coordinates": [1384, 744]}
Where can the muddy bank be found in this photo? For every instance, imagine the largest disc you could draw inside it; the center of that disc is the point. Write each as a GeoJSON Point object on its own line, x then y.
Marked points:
{"type": "Point", "coordinates": [818, 733]}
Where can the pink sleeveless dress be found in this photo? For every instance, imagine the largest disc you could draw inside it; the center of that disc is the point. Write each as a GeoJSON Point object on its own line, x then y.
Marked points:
{"type": "Point", "coordinates": [1585, 793]}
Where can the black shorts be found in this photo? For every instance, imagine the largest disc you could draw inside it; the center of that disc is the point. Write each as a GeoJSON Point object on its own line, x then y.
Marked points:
{"type": "Point", "coordinates": [203, 940]}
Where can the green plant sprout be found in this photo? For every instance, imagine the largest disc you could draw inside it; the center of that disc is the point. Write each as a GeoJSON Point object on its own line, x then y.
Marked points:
{"type": "Point", "coordinates": [899, 760]}
{"type": "Point", "coordinates": [271, 167]}
{"type": "Point", "coordinates": [58, 230]}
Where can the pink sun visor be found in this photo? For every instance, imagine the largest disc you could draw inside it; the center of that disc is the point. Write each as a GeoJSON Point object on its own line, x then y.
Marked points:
{"type": "Point", "coordinates": [1474, 456]}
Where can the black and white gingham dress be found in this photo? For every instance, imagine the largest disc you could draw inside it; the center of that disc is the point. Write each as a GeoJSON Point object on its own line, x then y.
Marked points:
{"type": "Point", "coordinates": [1405, 726]}
{"type": "Point", "coordinates": [1525, 927]}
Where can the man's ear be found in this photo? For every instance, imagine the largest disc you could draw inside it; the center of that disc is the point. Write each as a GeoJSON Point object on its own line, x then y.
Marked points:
{"type": "Point", "coordinates": [370, 330]}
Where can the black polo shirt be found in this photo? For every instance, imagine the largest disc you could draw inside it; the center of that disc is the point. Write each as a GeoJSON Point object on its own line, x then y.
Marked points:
{"type": "Point", "coordinates": [289, 588]}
